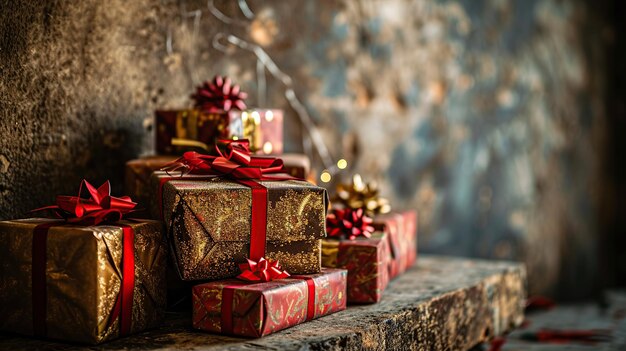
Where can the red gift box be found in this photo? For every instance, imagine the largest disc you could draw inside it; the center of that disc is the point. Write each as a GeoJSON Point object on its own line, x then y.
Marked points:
{"type": "Point", "coordinates": [402, 230]}
{"type": "Point", "coordinates": [262, 127]}
{"type": "Point", "coordinates": [255, 309]}
{"type": "Point", "coordinates": [367, 261]}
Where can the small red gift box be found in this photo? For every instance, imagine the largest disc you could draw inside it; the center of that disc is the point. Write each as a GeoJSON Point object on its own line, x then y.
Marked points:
{"type": "Point", "coordinates": [255, 309]}
{"type": "Point", "coordinates": [367, 261]}
{"type": "Point", "coordinates": [199, 128]}
{"type": "Point", "coordinates": [402, 230]}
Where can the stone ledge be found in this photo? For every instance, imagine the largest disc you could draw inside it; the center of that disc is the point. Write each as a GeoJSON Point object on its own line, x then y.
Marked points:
{"type": "Point", "coordinates": [440, 304]}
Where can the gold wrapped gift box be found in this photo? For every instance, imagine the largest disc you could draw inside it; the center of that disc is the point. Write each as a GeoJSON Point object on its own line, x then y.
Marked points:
{"type": "Point", "coordinates": [208, 223]}
{"type": "Point", "coordinates": [83, 279]}
{"type": "Point", "coordinates": [138, 172]}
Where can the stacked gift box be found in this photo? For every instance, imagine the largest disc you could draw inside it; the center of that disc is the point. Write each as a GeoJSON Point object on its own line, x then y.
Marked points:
{"type": "Point", "coordinates": [233, 223]}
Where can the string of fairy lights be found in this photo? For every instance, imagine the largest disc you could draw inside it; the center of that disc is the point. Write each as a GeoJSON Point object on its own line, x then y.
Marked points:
{"type": "Point", "coordinates": [313, 139]}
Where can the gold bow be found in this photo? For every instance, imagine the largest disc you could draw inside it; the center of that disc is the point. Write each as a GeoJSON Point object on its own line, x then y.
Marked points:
{"type": "Point", "coordinates": [359, 194]}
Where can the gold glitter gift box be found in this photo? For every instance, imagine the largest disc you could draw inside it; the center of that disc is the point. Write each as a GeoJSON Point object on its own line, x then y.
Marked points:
{"type": "Point", "coordinates": [208, 223]}
{"type": "Point", "coordinates": [138, 172]}
{"type": "Point", "coordinates": [83, 279]}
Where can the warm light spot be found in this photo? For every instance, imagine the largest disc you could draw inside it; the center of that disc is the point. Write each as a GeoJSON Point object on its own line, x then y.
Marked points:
{"type": "Point", "coordinates": [269, 115]}
{"type": "Point", "coordinates": [267, 147]}
{"type": "Point", "coordinates": [256, 116]}
{"type": "Point", "coordinates": [244, 116]}
{"type": "Point", "coordinates": [235, 137]}
{"type": "Point", "coordinates": [325, 177]}
{"type": "Point", "coordinates": [342, 164]}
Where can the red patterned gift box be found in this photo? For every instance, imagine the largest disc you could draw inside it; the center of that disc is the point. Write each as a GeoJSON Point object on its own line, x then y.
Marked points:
{"type": "Point", "coordinates": [402, 230]}
{"type": "Point", "coordinates": [255, 309]}
{"type": "Point", "coordinates": [367, 262]}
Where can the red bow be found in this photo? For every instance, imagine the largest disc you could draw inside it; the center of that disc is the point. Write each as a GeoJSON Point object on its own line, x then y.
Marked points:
{"type": "Point", "coordinates": [263, 271]}
{"type": "Point", "coordinates": [234, 160]}
{"type": "Point", "coordinates": [100, 207]}
{"type": "Point", "coordinates": [348, 223]}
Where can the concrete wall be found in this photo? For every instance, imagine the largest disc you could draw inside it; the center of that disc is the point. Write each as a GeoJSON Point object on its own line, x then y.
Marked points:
{"type": "Point", "coordinates": [485, 115]}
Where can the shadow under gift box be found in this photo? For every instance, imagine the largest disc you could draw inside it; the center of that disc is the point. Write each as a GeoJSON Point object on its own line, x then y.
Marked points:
{"type": "Point", "coordinates": [208, 224]}
{"type": "Point", "coordinates": [83, 279]}
{"type": "Point", "coordinates": [367, 261]}
{"type": "Point", "coordinates": [256, 309]}
{"type": "Point", "coordinates": [137, 174]}
{"type": "Point", "coordinates": [402, 230]}
{"type": "Point", "coordinates": [262, 127]}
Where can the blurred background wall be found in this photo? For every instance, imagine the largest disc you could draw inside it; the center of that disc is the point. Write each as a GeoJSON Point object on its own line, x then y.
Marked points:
{"type": "Point", "coordinates": [491, 117]}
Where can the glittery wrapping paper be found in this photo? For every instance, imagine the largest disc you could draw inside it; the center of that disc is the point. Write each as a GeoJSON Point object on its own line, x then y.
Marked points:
{"type": "Point", "coordinates": [367, 261]}
{"type": "Point", "coordinates": [208, 225]}
{"type": "Point", "coordinates": [262, 127]}
{"type": "Point", "coordinates": [138, 171]}
{"type": "Point", "coordinates": [402, 230]}
{"type": "Point", "coordinates": [263, 308]}
{"type": "Point", "coordinates": [83, 279]}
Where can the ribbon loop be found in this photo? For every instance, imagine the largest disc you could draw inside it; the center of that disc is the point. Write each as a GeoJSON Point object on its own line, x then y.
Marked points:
{"type": "Point", "coordinates": [261, 271]}
{"type": "Point", "coordinates": [233, 160]}
{"type": "Point", "coordinates": [98, 208]}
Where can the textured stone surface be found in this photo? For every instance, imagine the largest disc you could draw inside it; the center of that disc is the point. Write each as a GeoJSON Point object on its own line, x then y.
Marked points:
{"type": "Point", "coordinates": [609, 317]}
{"type": "Point", "coordinates": [486, 115]}
{"type": "Point", "coordinates": [440, 304]}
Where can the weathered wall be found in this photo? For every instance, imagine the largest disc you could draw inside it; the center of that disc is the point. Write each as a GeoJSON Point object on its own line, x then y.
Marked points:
{"type": "Point", "coordinates": [485, 115]}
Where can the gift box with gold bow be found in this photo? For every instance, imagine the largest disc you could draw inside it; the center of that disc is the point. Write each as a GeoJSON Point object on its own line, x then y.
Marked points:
{"type": "Point", "coordinates": [258, 308]}
{"type": "Point", "coordinates": [87, 278]}
{"type": "Point", "coordinates": [220, 210]}
{"type": "Point", "coordinates": [353, 244]}
{"type": "Point", "coordinates": [400, 226]}
{"type": "Point", "coordinates": [219, 113]}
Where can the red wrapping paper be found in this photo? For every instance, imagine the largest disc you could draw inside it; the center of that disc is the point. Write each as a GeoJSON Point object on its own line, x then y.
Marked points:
{"type": "Point", "coordinates": [401, 228]}
{"type": "Point", "coordinates": [242, 308]}
{"type": "Point", "coordinates": [367, 261]}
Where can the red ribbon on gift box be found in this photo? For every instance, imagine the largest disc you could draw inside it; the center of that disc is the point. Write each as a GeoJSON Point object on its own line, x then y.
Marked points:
{"type": "Point", "coordinates": [228, 297]}
{"type": "Point", "coordinates": [261, 271]}
{"type": "Point", "coordinates": [99, 208]}
{"type": "Point", "coordinates": [235, 162]}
